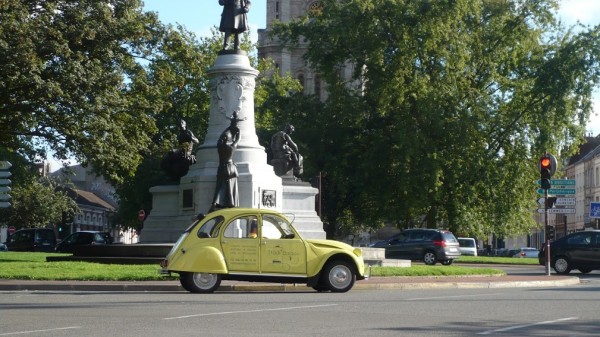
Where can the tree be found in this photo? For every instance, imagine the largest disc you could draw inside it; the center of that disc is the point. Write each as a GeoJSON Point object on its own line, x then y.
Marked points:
{"type": "Point", "coordinates": [65, 70]}
{"type": "Point", "coordinates": [38, 203]}
{"type": "Point", "coordinates": [455, 102]}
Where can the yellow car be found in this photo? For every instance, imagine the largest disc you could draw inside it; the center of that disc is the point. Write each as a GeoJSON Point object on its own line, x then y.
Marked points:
{"type": "Point", "coordinates": [259, 245]}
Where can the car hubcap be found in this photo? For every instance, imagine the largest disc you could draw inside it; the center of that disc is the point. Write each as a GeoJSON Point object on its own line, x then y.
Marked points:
{"type": "Point", "coordinates": [204, 281]}
{"type": "Point", "coordinates": [561, 265]}
{"type": "Point", "coordinates": [340, 277]}
{"type": "Point", "coordinates": [429, 258]}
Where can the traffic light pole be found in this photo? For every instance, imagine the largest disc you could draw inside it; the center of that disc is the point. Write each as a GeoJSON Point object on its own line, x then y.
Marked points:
{"type": "Point", "coordinates": [546, 231]}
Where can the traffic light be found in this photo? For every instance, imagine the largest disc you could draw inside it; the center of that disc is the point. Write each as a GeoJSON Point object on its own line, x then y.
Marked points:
{"type": "Point", "coordinates": [551, 232]}
{"type": "Point", "coordinates": [547, 169]}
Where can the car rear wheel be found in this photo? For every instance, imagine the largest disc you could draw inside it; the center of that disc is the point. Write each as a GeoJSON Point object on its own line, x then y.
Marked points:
{"type": "Point", "coordinates": [447, 262]}
{"type": "Point", "coordinates": [584, 270]}
{"type": "Point", "coordinates": [429, 258]}
{"type": "Point", "coordinates": [200, 282]}
{"type": "Point", "coordinates": [562, 265]}
{"type": "Point", "coordinates": [338, 276]}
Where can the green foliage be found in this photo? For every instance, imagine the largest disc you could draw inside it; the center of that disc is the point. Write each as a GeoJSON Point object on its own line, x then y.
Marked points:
{"type": "Point", "coordinates": [33, 266]}
{"type": "Point", "coordinates": [433, 271]}
{"type": "Point", "coordinates": [38, 203]}
{"type": "Point", "coordinates": [448, 108]}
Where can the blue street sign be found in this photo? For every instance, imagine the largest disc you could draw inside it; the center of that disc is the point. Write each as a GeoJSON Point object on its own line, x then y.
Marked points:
{"type": "Point", "coordinates": [594, 209]}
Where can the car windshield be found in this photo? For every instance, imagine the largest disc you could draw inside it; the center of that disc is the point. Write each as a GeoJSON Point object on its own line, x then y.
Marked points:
{"type": "Point", "coordinates": [466, 243]}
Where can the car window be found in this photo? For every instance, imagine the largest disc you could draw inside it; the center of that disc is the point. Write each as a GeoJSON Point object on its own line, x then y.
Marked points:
{"type": "Point", "coordinates": [244, 227]}
{"type": "Point", "coordinates": [416, 236]}
{"type": "Point", "coordinates": [44, 235]}
{"type": "Point", "coordinates": [399, 238]}
{"type": "Point", "coordinates": [466, 243]}
{"type": "Point", "coordinates": [210, 228]}
{"type": "Point", "coordinates": [449, 237]}
{"type": "Point", "coordinates": [274, 227]}
{"type": "Point", "coordinates": [580, 239]}
{"type": "Point", "coordinates": [99, 238]}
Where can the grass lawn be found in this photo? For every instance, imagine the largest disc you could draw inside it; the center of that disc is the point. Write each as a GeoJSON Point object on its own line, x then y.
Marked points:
{"type": "Point", "coordinates": [33, 266]}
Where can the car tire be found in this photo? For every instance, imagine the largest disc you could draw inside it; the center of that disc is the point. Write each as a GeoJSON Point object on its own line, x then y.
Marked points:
{"type": "Point", "coordinates": [338, 276]}
{"type": "Point", "coordinates": [200, 282]}
{"type": "Point", "coordinates": [447, 262]}
{"type": "Point", "coordinates": [584, 270]}
{"type": "Point", "coordinates": [562, 265]}
{"type": "Point", "coordinates": [429, 258]}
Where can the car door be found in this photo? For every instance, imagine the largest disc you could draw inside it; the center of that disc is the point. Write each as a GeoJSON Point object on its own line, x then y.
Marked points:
{"type": "Point", "coordinates": [240, 248]}
{"type": "Point", "coordinates": [396, 248]}
{"type": "Point", "coordinates": [281, 251]}
{"type": "Point", "coordinates": [580, 249]}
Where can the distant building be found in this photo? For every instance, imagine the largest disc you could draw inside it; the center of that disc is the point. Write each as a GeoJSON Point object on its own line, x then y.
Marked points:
{"type": "Point", "coordinates": [290, 60]}
{"type": "Point", "coordinates": [95, 197]}
{"type": "Point", "coordinates": [584, 167]}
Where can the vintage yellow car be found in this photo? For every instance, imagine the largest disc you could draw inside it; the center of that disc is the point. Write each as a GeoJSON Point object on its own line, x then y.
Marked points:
{"type": "Point", "coordinates": [259, 245]}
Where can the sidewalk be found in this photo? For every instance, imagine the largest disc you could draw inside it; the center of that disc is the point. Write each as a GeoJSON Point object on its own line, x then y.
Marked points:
{"type": "Point", "coordinates": [374, 283]}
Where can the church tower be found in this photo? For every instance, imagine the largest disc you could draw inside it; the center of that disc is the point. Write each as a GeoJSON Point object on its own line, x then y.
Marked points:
{"type": "Point", "coordinates": [289, 60]}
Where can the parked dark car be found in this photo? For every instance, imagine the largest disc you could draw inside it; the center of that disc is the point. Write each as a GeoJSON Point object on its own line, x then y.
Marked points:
{"type": "Point", "coordinates": [579, 250]}
{"type": "Point", "coordinates": [82, 238]}
{"type": "Point", "coordinates": [427, 245]}
{"type": "Point", "coordinates": [32, 240]}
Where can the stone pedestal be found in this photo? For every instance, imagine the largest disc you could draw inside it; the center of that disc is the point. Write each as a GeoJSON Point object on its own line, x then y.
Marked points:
{"type": "Point", "coordinates": [299, 200]}
{"type": "Point", "coordinates": [231, 84]}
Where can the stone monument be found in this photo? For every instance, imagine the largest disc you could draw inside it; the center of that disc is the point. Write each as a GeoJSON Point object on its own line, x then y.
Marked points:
{"type": "Point", "coordinates": [231, 85]}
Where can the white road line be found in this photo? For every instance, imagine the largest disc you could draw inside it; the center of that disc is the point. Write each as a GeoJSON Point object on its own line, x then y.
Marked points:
{"type": "Point", "coordinates": [453, 296]}
{"type": "Point", "coordinates": [526, 325]}
{"type": "Point", "coordinates": [36, 331]}
{"type": "Point", "coordinates": [248, 311]}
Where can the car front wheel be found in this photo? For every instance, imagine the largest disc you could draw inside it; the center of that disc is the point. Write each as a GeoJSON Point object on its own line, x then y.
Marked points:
{"type": "Point", "coordinates": [200, 282]}
{"type": "Point", "coordinates": [429, 258]}
{"type": "Point", "coordinates": [584, 270]}
{"type": "Point", "coordinates": [447, 262]}
{"type": "Point", "coordinates": [338, 276]}
{"type": "Point", "coordinates": [562, 265]}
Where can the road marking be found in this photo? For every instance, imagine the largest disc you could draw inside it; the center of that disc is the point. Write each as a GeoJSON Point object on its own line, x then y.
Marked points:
{"type": "Point", "coordinates": [248, 311]}
{"type": "Point", "coordinates": [36, 331]}
{"type": "Point", "coordinates": [455, 296]}
{"type": "Point", "coordinates": [526, 325]}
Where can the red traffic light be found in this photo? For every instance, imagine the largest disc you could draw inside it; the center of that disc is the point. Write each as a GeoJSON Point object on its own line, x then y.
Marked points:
{"type": "Point", "coordinates": [545, 163]}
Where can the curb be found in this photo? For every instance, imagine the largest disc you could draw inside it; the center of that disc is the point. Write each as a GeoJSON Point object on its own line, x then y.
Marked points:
{"type": "Point", "coordinates": [381, 283]}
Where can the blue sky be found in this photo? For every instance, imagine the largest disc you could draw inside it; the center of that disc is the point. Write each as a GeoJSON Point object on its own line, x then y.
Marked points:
{"type": "Point", "coordinates": [199, 16]}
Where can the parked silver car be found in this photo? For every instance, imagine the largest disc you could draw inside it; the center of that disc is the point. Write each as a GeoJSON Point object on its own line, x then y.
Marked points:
{"type": "Point", "coordinates": [527, 252]}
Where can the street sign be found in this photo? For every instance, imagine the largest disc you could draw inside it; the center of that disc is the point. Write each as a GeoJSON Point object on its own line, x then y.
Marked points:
{"type": "Point", "coordinates": [558, 191]}
{"type": "Point", "coordinates": [594, 209]}
{"type": "Point", "coordinates": [559, 182]}
{"type": "Point", "coordinates": [559, 201]}
{"type": "Point", "coordinates": [5, 182]}
{"type": "Point", "coordinates": [5, 174]}
{"type": "Point", "coordinates": [11, 230]}
{"type": "Point", "coordinates": [5, 165]}
{"type": "Point", "coordinates": [4, 204]}
{"type": "Point", "coordinates": [558, 210]}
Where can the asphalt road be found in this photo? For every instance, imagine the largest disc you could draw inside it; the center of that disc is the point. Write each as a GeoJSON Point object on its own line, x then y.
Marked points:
{"type": "Point", "coordinates": [555, 311]}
